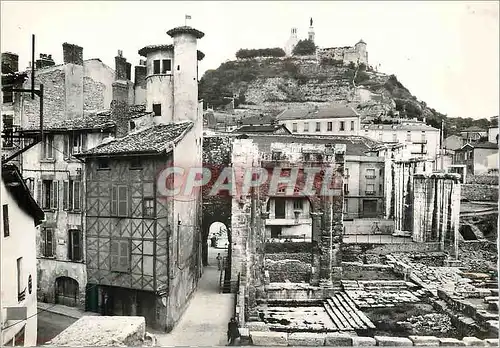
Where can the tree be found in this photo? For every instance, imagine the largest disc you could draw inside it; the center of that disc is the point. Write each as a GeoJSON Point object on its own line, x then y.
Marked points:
{"type": "Point", "coordinates": [304, 48]}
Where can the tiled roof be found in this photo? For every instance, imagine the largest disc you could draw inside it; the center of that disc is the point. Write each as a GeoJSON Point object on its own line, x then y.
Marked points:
{"type": "Point", "coordinates": [473, 129]}
{"type": "Point", "coordinates": [355, 145]}
{"type": "Point", "coordinates": [153, 48]}
{"type": "Point", "coordinates": [257, 120]}
{"type": "Point", "coordinates": [185, 30]}
{"type": "Point", "coordinates": [330, 111]}
{"type": "Point", "coordinates": [92, 120]}
{"type": "Point", "coordinates": [260, 129]}
{"type": "Point", "coordinates": [153, 140]}
{"type": "Point", "coordinates": [485, 145]}
{"type": "Point", "coordinates": [399, 126]}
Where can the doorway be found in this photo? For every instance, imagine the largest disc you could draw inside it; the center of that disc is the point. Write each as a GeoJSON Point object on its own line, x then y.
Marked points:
{"type": "Point", "coordinates": [369, 208]}
{"type": "Point", "coordinates": [67, 291]}
{"type": "Point", "coordinates": [279, 208]}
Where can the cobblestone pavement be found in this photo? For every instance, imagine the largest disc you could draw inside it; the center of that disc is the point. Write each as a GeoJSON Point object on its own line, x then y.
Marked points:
{"type": "Point", "coordinates": [204, 323]}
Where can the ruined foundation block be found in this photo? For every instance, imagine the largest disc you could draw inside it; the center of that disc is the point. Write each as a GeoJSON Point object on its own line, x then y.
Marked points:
{"type": "Point", "coordinates": [424, 340]}
{"type": "Point", "coordinates": [310, 339]}
{"type": "Point", "coordinates": [363, 341]}
{"type": "Point", "coordinates": [335, 339]}
{"type": "Point", "coordinates": [450, 342]}
{"type": "Point", "coordinates": [491, 342]}
{"type": "Point", "coordinates": [393, 341]}
{"type": "Point", "coordinates": [473, 341]}
{"type": "Point", "coordinates": [257, 326]}
{"type": "Point", "coordinates": [260, 338]}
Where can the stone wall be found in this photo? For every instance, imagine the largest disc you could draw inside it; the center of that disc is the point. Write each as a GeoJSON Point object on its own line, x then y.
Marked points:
{"type": "Point", "coordinates": [93, 92]}
{"type": "Point", "coordinates": [478, 192]}
{"type": "Point", "coordinates": [360, 271]}
{"type": "Point", "coordinates": [292, 267]}
{"type": "Point", "coordinates": [359, 252]}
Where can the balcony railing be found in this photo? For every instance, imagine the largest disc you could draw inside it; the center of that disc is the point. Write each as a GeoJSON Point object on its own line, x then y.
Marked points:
{"type": "Point", "coordinates": [370, 176]}
{"type": "Point", "coordinates": [421, 141]}
{"type": "Point", "coordinates": [21, 296]}
{"type": "Point", "coordinates": [370, 193]}
{"type": "Point", "coordinates": [287, 221]}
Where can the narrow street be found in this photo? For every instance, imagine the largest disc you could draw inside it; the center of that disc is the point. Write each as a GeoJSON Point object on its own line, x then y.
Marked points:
{"type": "Point", "coordinates": [204, 322]}
{"type": "Point", "coordinates": [50, 325]}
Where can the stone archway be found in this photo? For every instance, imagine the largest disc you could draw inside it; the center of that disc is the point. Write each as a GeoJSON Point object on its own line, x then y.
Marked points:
{"type": "Point", "coordinates": [67, 291]}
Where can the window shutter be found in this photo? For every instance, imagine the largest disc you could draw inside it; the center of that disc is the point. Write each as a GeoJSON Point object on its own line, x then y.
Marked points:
{"type": "Point", "coordinates": [44, 242]}
{"type": "Point", "coordinates": [50, 247]}
{"type": "Point", "coordinates": [114, 200]}
{"type": "Point", "coordinates": [70, 245]}
{"type": "Point", "coordinates": [55, 194]}
{"type": "Point", "coordinates": [77, 251]}
{"type": "Point", "coordinates": [122, 201]}
{"type": "Point", "coordinates": [76, 195]}
{"type": "Point", "coordinates": [84, 142]}
{"type": "Point", "coordinates": [65, 194]}
{"type": "Point", "coordinates": [66, 146]}
{"type": "Point", "coordinates": [39, 193]}
{"type": "Point", "coordinates": [115, 257]}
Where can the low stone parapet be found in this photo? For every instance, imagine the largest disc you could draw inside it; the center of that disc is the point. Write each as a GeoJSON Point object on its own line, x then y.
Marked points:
{"type": "Point", "coordinates": [447, 342]}
{"type": "Point", "coordinates": [473, 341]}
{"type": "Point", "coordinates": [424, 340]}
{"type": "Point", "coordinates": [334, 339]}
{"type": "Point", "coordinates": [306, 339]}
{"type": "Point", "coordinates": [363, 341]}
{"type": "Point", "coordinates": [393, 341]}
{"type": "Point", "coordinates": [261, 338]}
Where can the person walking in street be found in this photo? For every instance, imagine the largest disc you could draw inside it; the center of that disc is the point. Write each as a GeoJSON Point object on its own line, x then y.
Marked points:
{"type": "Point", "coordinates": [233, 331]}
{"type": "Point", "coordinates": [213, 240]}
{"type": "Point", "coordinates": [219, 261]}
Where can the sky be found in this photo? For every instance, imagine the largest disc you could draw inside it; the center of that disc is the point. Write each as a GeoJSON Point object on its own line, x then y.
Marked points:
{"type": "Point", "coordinates": [446, 53]}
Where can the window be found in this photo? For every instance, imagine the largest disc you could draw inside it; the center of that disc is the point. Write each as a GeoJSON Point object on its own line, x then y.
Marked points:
{"type": "Point", "coordinates": [119, 200]}
{"type": "Point", "coordinates": [75, 245]}
{"type": "Point", "coordinates": [275, 231]}
{"type": "Point", "coordinates": [8, 130]}
{"type": "Point", "coordinates": [8, 95]}
{"type": "Point", "coordinates": [370, 189]}
{"type": "Point", "coordinates": [5, 212]}
{"type": "Point", "coordinates": [157, 109]}
{"type": "Point", "coordinates": [329, 126]}
{"type": "Point", "coordinates": [120, 257]}
{"type": "Point", "coordinates": [48, 194]}
{"type": "Point", "coordinates": [166, 66]}
{"type": "Point", "coordinates": [148, 208]}
{"type": "Point", "coordinates": [294, 127]}
{"type": "Point", "coordinates": [30, 182]}
{"type": "Point", "coordinates": [370, 173]}
{"type": "Point", "coordinates": [156, 66]}
{"type": "Point", "coordinates": [346, 188]}
{"type": "Point", "coordinates": [342, 125]}
{"type": "Point", "coordinates": [306, 126]}
{"type": "Point", "coordinates": [48, 147]}
{"type": "Point", "coordinates": [74, 143]}
{"type": "Point", "coordinates": [72, 195]}
{"type": "Point", "coordinates": [276, 155]}
{"type": "Point", "coordinates": [408, 136]}
{"type": "Point", "coordinates": [103, 164]}
{"type": "Point", "coordinates": [298, 204]}
{"type": "Point", "coordinates": [135, 163]}
{"type": "Point", "coordinates": [47, 242]}
{"type": "Point", "coordinates": [21, 291]}
{"type": "Point", "coordinates": [131, 125]}
{"type": "Point", "coordinates": [318, 126]}
{"type": "Point", "coordinates": [352, 125]}
{"type": "Point", "coordinates": [282, 189]}
{"type": "Point", "coordinates": [394, 138]}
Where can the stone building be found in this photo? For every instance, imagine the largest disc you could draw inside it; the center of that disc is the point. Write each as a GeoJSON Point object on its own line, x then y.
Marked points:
{"type": "Point", "coordinates": [333, 119]}
{"type": "Point", "coordinates": [348, 54]}
{"type": "Point", "coordinates": [479, 158]}
{"type": "Point", "coordinates": [21, 217]}
{"type": "Point", "coordinates": [74, 94]}
{"type": "Point", "coordinates": [143, 249]}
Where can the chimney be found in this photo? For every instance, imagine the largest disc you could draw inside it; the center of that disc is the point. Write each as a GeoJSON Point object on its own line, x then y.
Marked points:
{"type": "Point", "coordinates": [72, 54]}
{"type": "Point", "coordinates": [122, 93]}
{"type": "Point", "coordinates": [11, 61]}
{"type": "Point", "coordinates": [140, 72]}
{"type": "Point", "coordinates": [120, 67]}
{"type": "Point", "coordinates": [44, 61]}
{"type": "Point", "coordinates": [128, 69]}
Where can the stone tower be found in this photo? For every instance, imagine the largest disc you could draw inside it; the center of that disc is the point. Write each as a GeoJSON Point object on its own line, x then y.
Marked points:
{"type": "Point", "coordinates": [292, 42]}
{"type": "Point", "coordinates": [310, 35]}
{"type": "Point", "coordinates": [172, 77]}
{"type": "Point", "coordinates": [360, 48]}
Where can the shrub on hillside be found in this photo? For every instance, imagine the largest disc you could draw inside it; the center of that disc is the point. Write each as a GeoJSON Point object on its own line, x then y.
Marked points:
{"type": "Point", "coordinates": [260, 52]}
{"type": "Point", "coordinates": [304, 48]}
{"type": "Point", "coordinates": [331, 61]}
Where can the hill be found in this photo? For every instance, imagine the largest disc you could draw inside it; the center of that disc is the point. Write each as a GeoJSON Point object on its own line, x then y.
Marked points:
{"type": "Point", "coordinates": [278, 82]}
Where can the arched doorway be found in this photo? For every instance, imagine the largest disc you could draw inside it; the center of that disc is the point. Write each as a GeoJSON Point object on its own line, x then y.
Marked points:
{"type": "Point", "coordinates": [67, 290]}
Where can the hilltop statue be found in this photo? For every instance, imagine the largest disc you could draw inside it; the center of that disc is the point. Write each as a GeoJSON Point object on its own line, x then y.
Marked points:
{"type": "Point", "coordinates": [311, 22]}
